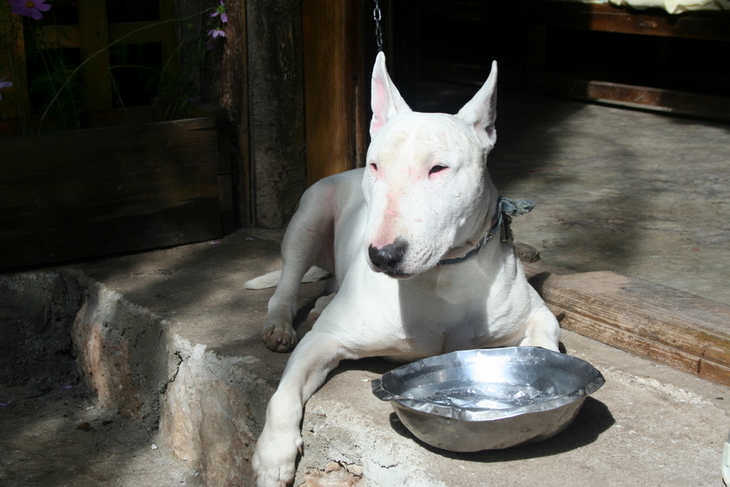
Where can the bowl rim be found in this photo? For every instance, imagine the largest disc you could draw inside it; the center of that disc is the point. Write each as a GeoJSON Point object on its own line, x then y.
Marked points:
{"type": "Point", "coordinates": [595, 382]}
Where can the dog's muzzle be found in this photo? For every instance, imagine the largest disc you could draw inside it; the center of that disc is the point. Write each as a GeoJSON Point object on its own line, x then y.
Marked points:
{"type": "Point", "coordinates": [387, 258]}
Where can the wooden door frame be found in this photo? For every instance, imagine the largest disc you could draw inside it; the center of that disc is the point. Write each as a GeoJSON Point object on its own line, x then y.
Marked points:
{"type": "Point", "coordinates": [335, 86]}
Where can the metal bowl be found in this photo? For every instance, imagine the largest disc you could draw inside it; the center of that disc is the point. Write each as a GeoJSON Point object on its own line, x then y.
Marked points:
{"type": "Point", "coordinates": [488, 399]}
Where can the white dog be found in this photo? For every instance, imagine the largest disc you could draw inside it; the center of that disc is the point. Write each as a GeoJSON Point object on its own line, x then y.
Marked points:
{"type": "Point", "coordinates": [413, 240]}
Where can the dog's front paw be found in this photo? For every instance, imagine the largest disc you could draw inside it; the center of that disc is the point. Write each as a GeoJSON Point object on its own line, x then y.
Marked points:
{"type": "Point", "coordinates": [279, 338]}
{"type": "Point", "coordinates": [274, 461]}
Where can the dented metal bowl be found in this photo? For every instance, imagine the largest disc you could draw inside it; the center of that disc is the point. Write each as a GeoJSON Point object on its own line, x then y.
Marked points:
{"type": "Point", "coordinates": [489, 399]}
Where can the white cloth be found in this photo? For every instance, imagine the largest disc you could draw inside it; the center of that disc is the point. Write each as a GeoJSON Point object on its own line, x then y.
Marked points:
{"type": "Point", "coordinates": [671, 6]}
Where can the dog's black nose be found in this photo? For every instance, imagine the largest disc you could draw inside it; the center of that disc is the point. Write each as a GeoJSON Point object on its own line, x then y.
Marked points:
{"type": "Point", "coordinates": [388, 257]}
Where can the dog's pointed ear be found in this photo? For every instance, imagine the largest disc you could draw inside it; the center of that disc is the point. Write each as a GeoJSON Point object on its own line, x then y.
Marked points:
{"type": "Point", "coordinates": [481, 111]}
{"type": "Point", "coordinates": [386, 100]}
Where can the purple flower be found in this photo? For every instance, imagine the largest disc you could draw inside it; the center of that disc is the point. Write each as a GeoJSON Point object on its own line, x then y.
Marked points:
{"type": "Point", "coordinates": [29, 8]}
{"type": "Point", "coordinates": [215, 33]}
{"type": "Point", "coordinates": [221, 10]}
{"type": "Point", "coordinates": [4, 84]}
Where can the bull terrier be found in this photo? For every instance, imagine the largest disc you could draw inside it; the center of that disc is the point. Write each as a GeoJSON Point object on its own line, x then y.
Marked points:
{"type": "Point", "coordinates": [421, 260]}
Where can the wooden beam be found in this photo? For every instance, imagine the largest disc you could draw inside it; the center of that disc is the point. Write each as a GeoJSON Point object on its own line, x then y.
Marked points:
{"type": "Point", "coordinates": [13, 67]}
{"type": "Point", "coordinates": [650, 320]}
{"type": "Point", "coordinates": [58, 36]}
{"type": "Point", "coordinates": [672, 101]}
{"type": "Point", "coordinates": [276, 116]}
{"type": "Point", "coordinates": [93, 39]}
{"type": "Point", "coordinates": [168, 38]}
{"type": "Point", "coordinates": [333, 86]}
{"type": "Point", "coordinates": [608, 18]}
{"type": "Point", "coordinates": [141, 32]}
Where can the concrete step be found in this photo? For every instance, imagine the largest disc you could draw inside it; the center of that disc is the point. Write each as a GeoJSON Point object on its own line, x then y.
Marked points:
{"type": "Point", "coordinates": [171, 338]}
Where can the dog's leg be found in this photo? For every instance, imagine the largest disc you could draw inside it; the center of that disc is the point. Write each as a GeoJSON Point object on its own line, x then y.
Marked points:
{"type": "Point", "coordinates": [308, 241]}
{"type": "Point", "coordinates": [319, 306]}
{"type": "Point", "coordinates": [543, 331]}
{"type": "Point", "coordinates": [280, 441]}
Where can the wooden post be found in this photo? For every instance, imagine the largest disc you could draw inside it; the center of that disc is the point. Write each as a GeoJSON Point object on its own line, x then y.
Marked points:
{"type": "Point", "coordinates": [333, 86]}
{"type": "Point", "coordinates": [168, 39]}
{"type": "Point", "coordinates": [241, 174]}
{"type": "Point", "coordinates": [276, 120]}
{"type": "Point", "coordinates": [94, 37]}
{"type": "Point", "coordinates": [14, 104]}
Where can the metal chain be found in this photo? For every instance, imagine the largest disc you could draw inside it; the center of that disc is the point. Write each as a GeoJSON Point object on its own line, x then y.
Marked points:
{"type": "Point", "coordinates": [378, 29]}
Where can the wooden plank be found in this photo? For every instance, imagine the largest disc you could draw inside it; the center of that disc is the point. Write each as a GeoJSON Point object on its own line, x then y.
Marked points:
{"type": "Point", "coordinates": [93, 39]}
{"type": "Point", "coordinates": [168, 38]}
{"type": "Point", "coordinates": [58, 36]}
{"type": "Point", "coordinates": [333, 83]}
{"type": "Point", "coordinates": [607, 18]}
{"type": "Point", "coordinates": [225, 164]}
{"type": "Point", "coordinates": [237, 66]}
{"type": "Point", "coordinates": [678, 102]}
{"type": "Point", "coordinates": [96, 192]}
{"type": "Point", "coordinates": [13, 67]}
{"type": "Point", "coordinates": [654, 321]}
{"type": "Point", "coordinates": [140, 32]}
{"type": "Point", "coordinates": [324, 110]}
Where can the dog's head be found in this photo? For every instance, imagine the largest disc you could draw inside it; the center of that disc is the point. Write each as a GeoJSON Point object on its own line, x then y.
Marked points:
{"type": "Point", "coordinates": [426, 183]}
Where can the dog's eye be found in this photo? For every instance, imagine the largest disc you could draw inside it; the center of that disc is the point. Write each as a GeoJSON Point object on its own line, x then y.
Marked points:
{"type": "Point", "coordinates": [436, 168]}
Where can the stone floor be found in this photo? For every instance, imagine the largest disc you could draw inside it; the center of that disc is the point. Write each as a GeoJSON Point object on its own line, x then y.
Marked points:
{"type": "Point", "coordinates": [643, 194]}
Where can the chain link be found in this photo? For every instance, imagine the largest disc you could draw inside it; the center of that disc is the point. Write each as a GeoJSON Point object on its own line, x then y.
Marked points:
{"type": "Point", "coordinates": [377, 16]}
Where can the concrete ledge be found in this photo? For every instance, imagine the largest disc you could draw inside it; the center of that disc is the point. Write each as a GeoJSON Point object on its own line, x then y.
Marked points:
{"type": "Point", "coordinates": [171, 337]}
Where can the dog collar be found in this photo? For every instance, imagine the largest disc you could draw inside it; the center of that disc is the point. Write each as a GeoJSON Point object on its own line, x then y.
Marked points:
{"type": "Point", "coordinates": [506, 208]}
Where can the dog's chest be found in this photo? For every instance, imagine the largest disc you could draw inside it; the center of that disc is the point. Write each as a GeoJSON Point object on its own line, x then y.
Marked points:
{"type": "Point", "coordinates": [446, 316]}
